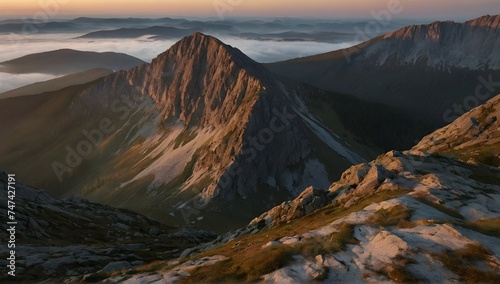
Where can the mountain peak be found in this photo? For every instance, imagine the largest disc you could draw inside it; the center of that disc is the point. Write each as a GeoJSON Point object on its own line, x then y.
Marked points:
{"type": "Point", "coordinates": [193, 77]}
{"type": "Point", "coordinates": [200, 43]}
{"type": "Point", "coordinates": [202, 51]}
{"type": "Point", "coordinates": [199, 37]}
{"type": "Point", "coordinates": [491, 21]}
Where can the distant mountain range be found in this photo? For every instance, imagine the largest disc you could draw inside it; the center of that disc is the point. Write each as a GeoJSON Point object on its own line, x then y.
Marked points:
{"type": "Point", "coordinates": [333, 37]}
{"type": "Point", "coordinates": [158, 32]}
{"type": "Point", "coordinates": [27, 27]}
{"type": "Point", "coordinates": [423, 69]}
{"type": "Point", "coordinates": [281, 29]}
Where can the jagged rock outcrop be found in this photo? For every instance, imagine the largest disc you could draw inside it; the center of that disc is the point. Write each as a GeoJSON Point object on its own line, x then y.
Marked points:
{"type": "Point", "coordinates": [473, 137]}
{"type": "Point", "coordinates": [307, 202]}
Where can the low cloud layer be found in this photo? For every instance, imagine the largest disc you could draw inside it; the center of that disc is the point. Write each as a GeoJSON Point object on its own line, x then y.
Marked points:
{"type": "Point", "coordinates": [272, 51]}
{"type": "Point", "coordinates": [13, 47]}
{"type": "Point", "coordinates": [261, 51]}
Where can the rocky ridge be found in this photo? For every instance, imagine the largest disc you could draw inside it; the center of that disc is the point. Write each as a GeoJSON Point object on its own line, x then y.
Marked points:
{"type": "Point", "coordinates": [423, 70]}
{"type": "Point", "coordinates": [443, 44]}
{"type": "Point", "coordinates": [404, 217]}
{"type": "Point", "coordinates": [76, 238]}
{"type": "Point", "coordinates": [471, 138]}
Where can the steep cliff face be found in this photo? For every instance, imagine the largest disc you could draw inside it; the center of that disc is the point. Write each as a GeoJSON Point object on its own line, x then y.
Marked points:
{"type": "Point", "coordinates": [205, 84]}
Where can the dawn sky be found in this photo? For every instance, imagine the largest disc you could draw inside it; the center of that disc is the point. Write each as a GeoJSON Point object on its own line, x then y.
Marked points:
{"type": "Point", "coordinates": [439, 9]}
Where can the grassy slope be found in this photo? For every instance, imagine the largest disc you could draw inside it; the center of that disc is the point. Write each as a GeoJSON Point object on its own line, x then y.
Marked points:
{"type": "Point", "coordinates": [248, 247]}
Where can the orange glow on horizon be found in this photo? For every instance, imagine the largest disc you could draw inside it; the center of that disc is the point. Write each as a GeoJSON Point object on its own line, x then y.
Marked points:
{"type": "Point", "coordinates": [234, 8]}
